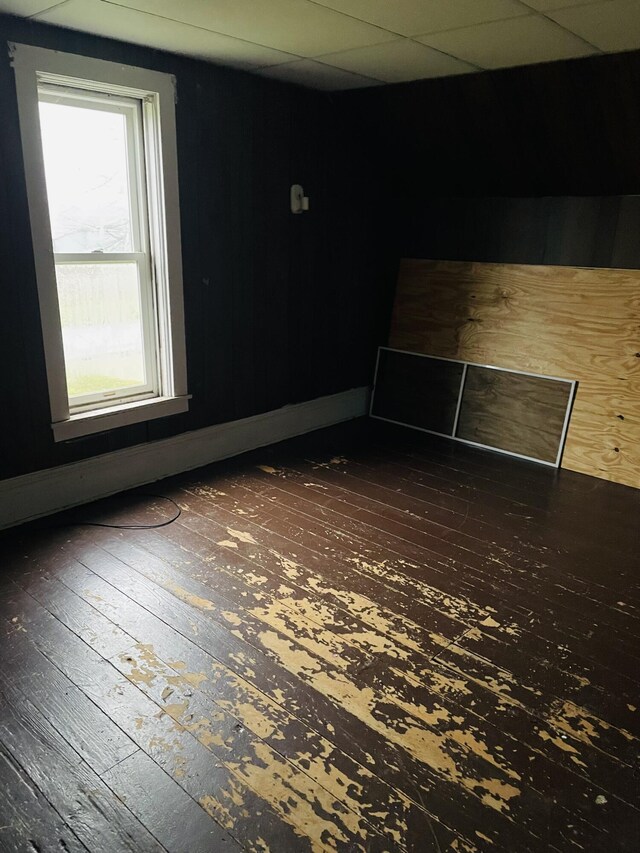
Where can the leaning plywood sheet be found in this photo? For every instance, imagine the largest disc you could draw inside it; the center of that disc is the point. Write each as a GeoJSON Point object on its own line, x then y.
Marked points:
{"type": "Point", "coordinates": [583, 324]}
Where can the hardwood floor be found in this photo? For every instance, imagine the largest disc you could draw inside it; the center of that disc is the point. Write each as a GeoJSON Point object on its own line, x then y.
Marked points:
{"type": "Point", "coordinates": [362, 640]}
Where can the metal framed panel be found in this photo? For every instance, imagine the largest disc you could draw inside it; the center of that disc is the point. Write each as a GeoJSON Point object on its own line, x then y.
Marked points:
{"type": "Point", "coordinates": [513, 411]}
{"type": "Point", "coordinates": [418, 391]}
{"type": "Point", "coordinates": [572, 386]}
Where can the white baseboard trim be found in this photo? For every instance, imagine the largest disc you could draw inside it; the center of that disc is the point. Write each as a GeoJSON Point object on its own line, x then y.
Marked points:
{"type": "Point", "coordinates": [43, 492]}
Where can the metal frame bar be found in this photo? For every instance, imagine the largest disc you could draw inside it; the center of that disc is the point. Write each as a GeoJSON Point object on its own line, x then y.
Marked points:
{"type": "Point", "coordinates": [463, 379]}
{"type": "Point", "coordinates": [477, 364]}
{"type": "Point", "coordinates": [466, 364]}
{"type": "Point", "coordinates": [565, 426]}
{"type": "Point", "coordinates": [375, 379]}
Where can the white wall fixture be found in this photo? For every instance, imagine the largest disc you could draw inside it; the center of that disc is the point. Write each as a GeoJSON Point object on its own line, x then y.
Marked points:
{"type": "Point", "coordinates": [299, 201]}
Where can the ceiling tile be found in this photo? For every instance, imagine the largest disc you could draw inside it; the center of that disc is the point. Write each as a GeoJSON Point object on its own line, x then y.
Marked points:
{"type": "Point", "coordinates": [295, 26]}
{"type": "Point", "coordinates": [398, 61]}
{"type": "Point", "coordinates": [105, 19]}
{"type": "Point", "coordinates": [307, 72]}
{"type": "Point", "coordinates": [505, 43]}
{"type": "Point", "coordinates": [612, 25]}
{"type": "Point", "coordinates": [545, 5]}
{"type": "Point", "coordinates": [409, 17]}
{"type": "Point", "coordinates": [24, 8]}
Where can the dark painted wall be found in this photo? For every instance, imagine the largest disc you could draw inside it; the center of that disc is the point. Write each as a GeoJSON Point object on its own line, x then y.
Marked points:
{"type": "Point", "coordinates": [584, 231]}
{"type": "Point", "coordinates": [531, 165]}
{"type": "Point", "coordinates": [527, 165]}
{"type": "Point", "coordinates": [279, 308]}
{"type": "Point", "coordinates": [559, 129]}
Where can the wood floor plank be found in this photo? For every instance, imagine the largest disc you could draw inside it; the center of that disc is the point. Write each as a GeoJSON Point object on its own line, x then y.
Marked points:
{"type": "Point", "coordinates": [260, 568]}
{"type": "Point", "coordinates": [286, 532]}
{"type": "Point", "coordinates": [461, 467]}
{"type": "Point", "coordinates": [545, 690]}
{"type": "Point", "coordinates": [567, 751]}
{"type": "Point", "coordinates": [196, 670]}
{"type": "Point", "coordinates": [614, 659]}
{"type": "Point", "coordinates": [89, 808]}
{"type": "Point", "coordinates": [515, 515]}
{"type": "Point", "coordinates": [452, 512]}
{"type": "Point", "coordinates": [560, 504]}
{"type": "Point", "coordinates": [298, 495]}
{"type": "Point", "coordinates": [327, 822]}
{"type": "Point", "coordinates": [28, 823]}
{"type": "Point", "coordinates": [519, 490]}
{"type": "Point", "coordinates": [420, 707]}
{"type": "Point", "coordinates": [490, 576]}
{"type": "Point", "coordinates": [465, 460]}
{"type": "Point", "coordinates": [420, 701]}
{"type": "Point", "coordinates": [560, 548]}
{"type": "Point", "coordinates": [171, 745]}
{"type": "Point", "coordinates": [102, 596]}
{"type": "Point", "coordinates": [322, 696]}
{"type": "Point", "coordinates": [364, 639]}
{"type": "Point", "coordinates": [106, 638]}
{"type": "Point", "coordinates": [158, 802]}
{"type": "Point", "coordinates": [572, 684]}
{"type": "Point", "coordinates": [88, 731]}
{"type": "Point", "coordinates": [370, 626]}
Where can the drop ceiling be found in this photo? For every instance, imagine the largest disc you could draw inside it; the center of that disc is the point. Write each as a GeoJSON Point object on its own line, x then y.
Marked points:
{"type": "Point", "coordinates": [347, 44]}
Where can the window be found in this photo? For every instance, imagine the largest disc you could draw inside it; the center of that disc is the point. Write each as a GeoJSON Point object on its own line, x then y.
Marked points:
{"type": "Point", "coordinates": [100, 162]}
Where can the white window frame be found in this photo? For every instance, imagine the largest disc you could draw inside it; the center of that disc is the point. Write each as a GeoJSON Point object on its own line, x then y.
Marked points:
{"type": "Point", "coordinates": [155, 91]}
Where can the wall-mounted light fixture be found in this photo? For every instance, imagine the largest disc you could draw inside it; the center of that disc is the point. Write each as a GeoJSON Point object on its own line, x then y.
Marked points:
{"type": "Point", "coordinates": [299, 201]}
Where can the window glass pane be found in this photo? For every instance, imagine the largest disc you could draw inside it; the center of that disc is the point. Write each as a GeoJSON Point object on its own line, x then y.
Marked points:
{"type": "Point", "coordinates": [101, 327]}
{"type": "Point", "coordinates": [85, 159]}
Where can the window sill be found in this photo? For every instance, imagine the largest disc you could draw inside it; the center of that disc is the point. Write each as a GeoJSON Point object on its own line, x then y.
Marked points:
{"type": "Point", "coordinates": [88, 423]}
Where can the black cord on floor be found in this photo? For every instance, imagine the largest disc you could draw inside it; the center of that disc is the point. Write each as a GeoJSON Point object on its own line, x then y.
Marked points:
{"type": "Point", "coordinates": [131, 526]}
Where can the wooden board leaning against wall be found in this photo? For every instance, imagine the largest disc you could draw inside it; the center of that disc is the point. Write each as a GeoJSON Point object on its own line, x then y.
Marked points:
{"type": "Point", "coordinates": [572, 322]}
